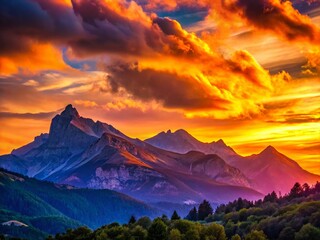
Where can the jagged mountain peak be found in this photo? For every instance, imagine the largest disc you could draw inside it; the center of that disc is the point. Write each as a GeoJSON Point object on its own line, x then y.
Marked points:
{"type": "Point", "coordinates": [179, 132]}
{"type": "Point", "coordinates": [182, 142]}
{"type": "Point", "coordinates": [70, 111]}
{"type": "Point", "coordinates": [178, 141]}
{"type": "Point", "coordinates": [70, 118]}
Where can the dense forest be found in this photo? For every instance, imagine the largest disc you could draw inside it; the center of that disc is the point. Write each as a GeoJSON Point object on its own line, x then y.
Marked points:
{"type": "Point", "coordinates": [295, 216]}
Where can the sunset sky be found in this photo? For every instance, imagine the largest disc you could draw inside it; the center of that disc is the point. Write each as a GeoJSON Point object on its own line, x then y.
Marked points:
{"type": "Point", "coordinates": [246, 71]}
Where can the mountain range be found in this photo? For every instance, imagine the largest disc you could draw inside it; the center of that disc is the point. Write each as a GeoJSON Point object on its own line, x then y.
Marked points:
{"type": "Point", "coordinates": [169, 167]}
{"type": "Point", "coordinates": [267, 171]}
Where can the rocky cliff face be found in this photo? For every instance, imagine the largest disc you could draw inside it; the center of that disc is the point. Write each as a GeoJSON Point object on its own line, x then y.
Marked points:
{"type": "Point", "coordinates": [215, 168]}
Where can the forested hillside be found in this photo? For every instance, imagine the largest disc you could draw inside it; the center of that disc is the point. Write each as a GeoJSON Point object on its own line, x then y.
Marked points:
{"type": "Point", "coordinates": [49, 208]}
{"type": "Point", "coordinates": [295, 216]}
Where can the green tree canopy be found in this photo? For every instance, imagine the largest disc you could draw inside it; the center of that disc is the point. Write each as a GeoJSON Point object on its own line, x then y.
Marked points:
{"type": "Point", "coordinates": [144, 222]}
{"type": "Point", "coordinates": [308, 232]}
{"type": "Point", "coordinates": [287, 234]}
{"type": "Point", "coordinates": [256, 235]}
{"type": "Point", "coordinates": [215, 230]}
{"type": "Point", "coordinates": [175, 235]}
{"type": "Point", "coordinates": [157, 230]}
{"type": "Point", "coordinates": [192, 234]}
{"type": "Point", "coordinates": [236, 237]}
{"type": "Point", "coordinates": [139, 233]}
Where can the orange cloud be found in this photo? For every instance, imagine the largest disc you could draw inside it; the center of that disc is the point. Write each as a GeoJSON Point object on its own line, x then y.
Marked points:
{"type": "Point", "coordinates": [170, 5]}
{"type": "Point", "coordinates": [86, 103]}
{"type": "Point", "coordinates": [313, 65]}
{"type": "Point", "coordinates": [38, 58]}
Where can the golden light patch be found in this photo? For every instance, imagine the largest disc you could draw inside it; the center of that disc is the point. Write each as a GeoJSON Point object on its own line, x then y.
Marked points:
{"type": "Point", "coordinates": [40, 57]}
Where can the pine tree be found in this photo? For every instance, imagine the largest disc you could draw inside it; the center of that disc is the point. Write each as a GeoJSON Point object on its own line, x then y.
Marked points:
{"type": "Point", "coordinates": [175, 216]}
{"type": "Point", "coordinates": [192, 215]}
{"type": "Point", "coordinates": [296, 190]}
{"type": "Point", "coordinates": [306, 188]}
{"type": "Point", "coordinates": [132, 220]}
{"type": "Point", "coordinates": [205, 210]}
{"type": "Point", "coordinates": [271, 197]}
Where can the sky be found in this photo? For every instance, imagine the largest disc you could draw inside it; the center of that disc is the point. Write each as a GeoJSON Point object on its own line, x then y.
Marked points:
{"type": "Point", "coordinates": [245, 71]}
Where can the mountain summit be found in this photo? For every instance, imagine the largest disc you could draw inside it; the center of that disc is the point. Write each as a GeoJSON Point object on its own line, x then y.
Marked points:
{"type": "Point", "coordinates": [280, 171]}
{"type": "Point", "coordinates": [270, 150]}
{"type": "Point", "coordinates": [70, 111]}
{"type": "Point", "coordinates": [179, 141]}
{"type": "Point", "coordinates": [182, 142]}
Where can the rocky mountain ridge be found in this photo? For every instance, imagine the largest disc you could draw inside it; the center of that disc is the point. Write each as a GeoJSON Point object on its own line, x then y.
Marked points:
{"type": "Point", "coordinates": [84, 153]}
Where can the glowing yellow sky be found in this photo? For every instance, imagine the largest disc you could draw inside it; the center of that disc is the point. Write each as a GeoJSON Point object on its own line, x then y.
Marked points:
{"type": "Point", "coordinates": [250, 79]}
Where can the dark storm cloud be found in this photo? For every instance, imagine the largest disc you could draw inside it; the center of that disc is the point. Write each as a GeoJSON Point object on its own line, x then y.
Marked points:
{"type": "Point", "coordinates": [306, 6]}
{"type": "Point", "coordinates": [116, 31]}
{"type": "Point", "coordinates": [107, 30]}
{"type": "Point", "coordinates": [278, 16]}
{"type": "Point", "coordinates": [173, 90]}
{"type": "Point", "coordinates": [169, 27]}
{"type": "Point", "coordinates": [25, 22]}
{"type": "Point", "coordinates": [90, 27]}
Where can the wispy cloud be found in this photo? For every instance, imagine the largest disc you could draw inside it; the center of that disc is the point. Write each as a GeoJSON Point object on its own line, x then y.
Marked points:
{"type": "Point", "coordinates": [40, 115]}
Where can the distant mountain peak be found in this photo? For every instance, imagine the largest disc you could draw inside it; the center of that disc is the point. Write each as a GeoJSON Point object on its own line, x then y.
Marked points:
{"type": "Point", "coordinates": [181, 131]}
{"type": "Point", "coordinates": [270, 147]}
{"type": "Point", "coordinates": [177, 133]}
{"type": "Point", "coordinates": [220, 142]}
{"type": "Point", "coordinates": [270, 150]}
{"type": "Point", "coordinates": [70, 111]}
